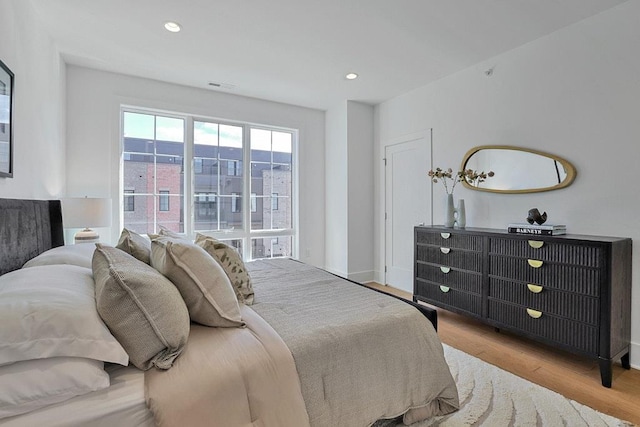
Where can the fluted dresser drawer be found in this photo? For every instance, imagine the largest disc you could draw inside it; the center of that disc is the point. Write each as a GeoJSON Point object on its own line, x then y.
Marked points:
{"type": "Point", "coordinates": [564, 277]}
{"type": "Point", "coordinates": [449, 240]}
{"type": "Point", "coordinates": [450, 257]}
{"type": "Point", "coordinates": [569, 305]}
{"type": "Point", "coordinates": [450, 297]}
{"type": "Point", "coordinates": [580, 336]}
{"type": "Point", "coordinates": [462, 280]}
{"type": "Point", "coordinates": [571, 254]}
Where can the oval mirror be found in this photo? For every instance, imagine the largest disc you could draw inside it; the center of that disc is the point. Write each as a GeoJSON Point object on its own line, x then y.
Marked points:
{"type": "Point", "coordinates": [517, 170]}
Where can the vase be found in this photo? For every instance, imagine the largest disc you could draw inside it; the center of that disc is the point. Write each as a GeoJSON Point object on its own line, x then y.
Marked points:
{"type": "Point", "coordinates": [450, 213]}
{"type": "Point", "coordinates": [455, 216]}
{"type": "Point", "coordinates": [461, 220]}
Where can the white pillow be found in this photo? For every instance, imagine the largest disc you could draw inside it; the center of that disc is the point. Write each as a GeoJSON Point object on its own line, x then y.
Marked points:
{"type": "Point", "coordinates": [33, 384]}
{"type": "Point", "coordinates": [50, 311]}
{"type": "Point", "coordinates": [79, 255]}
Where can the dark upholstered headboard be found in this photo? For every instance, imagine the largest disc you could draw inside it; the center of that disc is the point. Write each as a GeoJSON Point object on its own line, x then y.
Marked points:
{"type": "Point", "coordinates": [28, 228]}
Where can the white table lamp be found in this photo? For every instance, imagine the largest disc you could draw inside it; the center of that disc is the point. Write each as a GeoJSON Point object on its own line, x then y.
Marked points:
{"type": "Point", "coordinates": [84, 213]}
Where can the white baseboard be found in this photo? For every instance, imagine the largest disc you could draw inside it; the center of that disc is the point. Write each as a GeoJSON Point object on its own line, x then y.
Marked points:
{"type": "Point", "coordinates": [635, 355]}
{"type": "Point", "coordinates": [361, 276]}
{"type": "Point", "coordinates": [336, 272]}
{"type": "Point", "coordinates": [378, 277]}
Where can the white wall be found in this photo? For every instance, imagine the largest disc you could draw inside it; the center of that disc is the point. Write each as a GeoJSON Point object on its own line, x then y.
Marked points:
{"type": "Point", "coordinates": [38, 115]}
{"type": "Point", "coordinates": [349, 185]}
{"type": "Point", "coordinates": [574, 93]}
{"type": "Point", "coordinates": [93, 146]}
{"type": "Point", "coordinates": [360, 191]}
{"type": "Point", "coordinates": [336, 197]}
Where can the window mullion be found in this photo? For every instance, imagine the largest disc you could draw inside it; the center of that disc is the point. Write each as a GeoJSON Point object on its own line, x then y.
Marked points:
{"type": "Point", "coordinates": [246, 193]}
{"type": "Point", "coordinates": [188, 177]}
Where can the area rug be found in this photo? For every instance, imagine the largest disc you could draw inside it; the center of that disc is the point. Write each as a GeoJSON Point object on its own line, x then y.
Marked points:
{"type": "Point", "coordinates": [492, 397]}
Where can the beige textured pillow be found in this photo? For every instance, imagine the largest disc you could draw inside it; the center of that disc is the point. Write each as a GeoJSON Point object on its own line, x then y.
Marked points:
{"type": "Point", "coordinates": [231, 261]}
{"type": "Point", "coordinates": [203, 284]}
{"type": "Point", "coordinates": [141, 307]}
{"type": "Point", "coordinates": [164, 231]}
{"type": "Point", "coordinates": [135, 244]}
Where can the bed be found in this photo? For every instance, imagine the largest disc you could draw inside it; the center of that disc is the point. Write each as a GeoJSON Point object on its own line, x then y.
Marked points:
{"type": "Point", "coordinates": [311, 348]}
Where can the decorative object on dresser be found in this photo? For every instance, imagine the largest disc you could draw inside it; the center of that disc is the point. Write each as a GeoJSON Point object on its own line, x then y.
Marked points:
{"type": "Point", "coordinates": [571, 291]}
{"type": "Point", "coordinates": [85, 212]}
{"type": "Point", "coordinates": [534, 215]}
{"type": "Point", "coordinates": [547, 229]}
{"type": "Point", "coordinates": [456, 216]}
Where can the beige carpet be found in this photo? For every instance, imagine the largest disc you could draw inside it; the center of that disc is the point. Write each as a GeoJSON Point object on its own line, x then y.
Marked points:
{"type": "Point", "coordinates": [492, 397]}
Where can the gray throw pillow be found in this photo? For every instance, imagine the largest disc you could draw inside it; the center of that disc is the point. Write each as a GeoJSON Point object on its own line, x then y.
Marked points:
{"type": "Point", "coordinates": [141, 307]}
{"type": "Point", "coordinates": [135, 244]}
{"type": "Point", "coordinates": [203, 284]}
{"type": "Point", "coordinates": [231, 261]}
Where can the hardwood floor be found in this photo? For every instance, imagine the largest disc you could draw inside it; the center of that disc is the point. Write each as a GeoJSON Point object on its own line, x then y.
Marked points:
{"type": "Point", "coordinates": [565, 373]}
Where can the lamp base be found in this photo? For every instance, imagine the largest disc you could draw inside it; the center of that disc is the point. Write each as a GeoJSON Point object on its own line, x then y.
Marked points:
{"type": "Point", "coordinates": [86, 236]}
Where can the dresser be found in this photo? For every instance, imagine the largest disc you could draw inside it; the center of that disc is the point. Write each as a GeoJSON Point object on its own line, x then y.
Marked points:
{"type": "Point", "coordinates": [572, 292]}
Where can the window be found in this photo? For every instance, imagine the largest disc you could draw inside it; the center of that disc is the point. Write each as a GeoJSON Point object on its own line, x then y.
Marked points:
{"type": "Point", "coordinates": [234, 168]}
{"type": "Point", "coordinates": [206, 209]}
{"type": "Point", "coordinates": [129, 201]}
{"type": "Point", "coordinates": [230, 166]}
{"type": "Point", "coordinates": [236, 202]}
{"type": "Point", "coordinates": [197, 166]}
{"type": "Point", "coordinates": [164, 201]}
{"type": "Point", "coordinates": [153, 160]}
{"type": "Point", "coordinates": [271, 173]}
{"type": "Point", "coordinates": [254, 202]}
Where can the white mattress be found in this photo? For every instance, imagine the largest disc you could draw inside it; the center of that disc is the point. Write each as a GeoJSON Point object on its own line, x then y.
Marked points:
{"type": "Point", "coordinates": [121, 404]}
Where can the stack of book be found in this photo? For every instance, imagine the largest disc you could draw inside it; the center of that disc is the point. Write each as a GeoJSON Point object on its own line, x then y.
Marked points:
{"type": "Point", "coordinates": [544, 229]}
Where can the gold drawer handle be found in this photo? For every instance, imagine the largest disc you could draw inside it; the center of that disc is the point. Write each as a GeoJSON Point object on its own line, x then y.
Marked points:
{"type": "Point", "coordinates": [445, 250]}
{"type": "Point", "coordinates": [536, 289]}
{"type": "Point", "coordinates": [444, 289]}
{"type": "Point", "coordinates": [445, 270]}
{"type": "Point", "coordinates": [535, 263]}
{"type": "Point", "coordinates": [534, 313]}
{"type": "Point", "coordinates": [536, 244]}
{"type": "Point", "coordinates": [445, 235]}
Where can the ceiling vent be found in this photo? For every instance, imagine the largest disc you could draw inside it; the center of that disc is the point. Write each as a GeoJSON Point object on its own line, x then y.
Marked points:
{"type": "Point", "coordinates": [221, 85]}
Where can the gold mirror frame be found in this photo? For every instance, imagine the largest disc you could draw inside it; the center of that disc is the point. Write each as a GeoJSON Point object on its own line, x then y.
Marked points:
{"type": "Point", "coordinates": [568, 167]}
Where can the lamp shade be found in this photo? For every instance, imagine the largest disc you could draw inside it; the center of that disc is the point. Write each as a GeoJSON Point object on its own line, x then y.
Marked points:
{"type": "Point", "coordinates": [84, 213]}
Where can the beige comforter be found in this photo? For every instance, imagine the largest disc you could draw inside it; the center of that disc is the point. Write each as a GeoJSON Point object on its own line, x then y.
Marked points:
{"type": "Point", "coordinates": [229, 377]}
{"type": "Point", "coordinates": [361, 355]}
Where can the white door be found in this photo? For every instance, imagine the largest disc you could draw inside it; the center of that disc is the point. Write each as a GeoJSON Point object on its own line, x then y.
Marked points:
{"type": "Point", "coordinates": [407, 204]}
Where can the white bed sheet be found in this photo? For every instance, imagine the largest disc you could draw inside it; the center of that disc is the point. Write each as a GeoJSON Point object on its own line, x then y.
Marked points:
{"type": "Point", "coordinates": [121, 404]}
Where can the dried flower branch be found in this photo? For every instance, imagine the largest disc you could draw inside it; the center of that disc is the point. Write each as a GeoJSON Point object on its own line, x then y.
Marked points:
{"type": "Point", "coordinates": [469, 175]}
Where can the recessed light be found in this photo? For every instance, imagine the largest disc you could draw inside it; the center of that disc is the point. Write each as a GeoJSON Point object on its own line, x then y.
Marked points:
{"type": "Point", "coordinates": [174, 27]}
{"type": "Point", "coordinates": [351, 76]}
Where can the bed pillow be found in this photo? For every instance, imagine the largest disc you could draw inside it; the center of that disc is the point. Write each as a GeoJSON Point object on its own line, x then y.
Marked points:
{"type": "Point", "coordinates": [135, 245]}
{"type": "Point", "coordinates": [141, 307]}
{"type": "Point", "coordinates": [232, 264]}
{"type": "Point", "coordinates": [34, 384]}
{"type": "Point", "coordinates": [203, 284]}
{"type": "Point", "coordinates": [164, 231]}
{"type": "Point", "coordinates": [49, 311]}
{"type": "Point", "coordinates": [79, 255]}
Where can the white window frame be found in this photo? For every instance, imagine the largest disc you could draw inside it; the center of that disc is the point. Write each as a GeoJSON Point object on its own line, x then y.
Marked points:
{"type": "Point", "coordinates": [245, 234]}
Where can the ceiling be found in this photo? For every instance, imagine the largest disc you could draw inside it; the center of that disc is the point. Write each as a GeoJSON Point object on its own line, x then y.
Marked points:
{"type": "Point", "coordinates": [298, 51]}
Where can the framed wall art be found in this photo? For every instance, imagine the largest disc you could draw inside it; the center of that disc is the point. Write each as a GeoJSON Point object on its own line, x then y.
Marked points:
{"type": "Point", "coordinates": [6, 129]}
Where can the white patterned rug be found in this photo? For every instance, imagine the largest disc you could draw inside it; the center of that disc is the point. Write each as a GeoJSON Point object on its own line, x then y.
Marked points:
{"type": "Point", "coordinates": [492, 397]}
